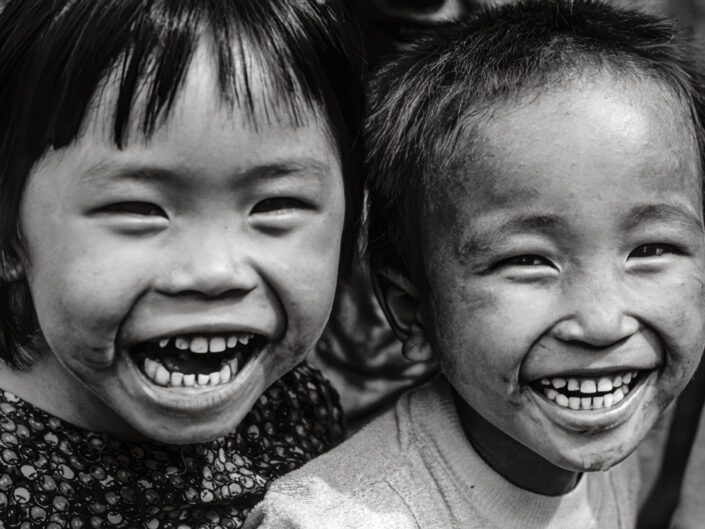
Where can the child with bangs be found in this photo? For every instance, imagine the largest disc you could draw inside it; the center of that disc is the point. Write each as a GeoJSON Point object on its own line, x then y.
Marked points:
{"type": "Point", "coordinates": [179, 193]}
{"type": "Point", "coordinates": [536, 225]}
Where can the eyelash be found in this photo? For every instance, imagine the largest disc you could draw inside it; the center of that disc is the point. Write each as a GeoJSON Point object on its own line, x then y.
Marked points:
{"type": "Point", "coordinates": [647, 251]}
{"type": "Point", "coordinates": [270, 205]}
{"type": "Point", "coordinates": [660, 249]}
{"type": "Point", "coordinates": [521, 260]}
{"type": "Point", "coordinates": [142, 209]}
{"type": "Point", "coordinates": [147, 209]}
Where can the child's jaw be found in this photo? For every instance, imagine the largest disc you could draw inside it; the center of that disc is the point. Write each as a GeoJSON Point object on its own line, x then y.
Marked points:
{"type": "Point", "coordinates": [166, 355]}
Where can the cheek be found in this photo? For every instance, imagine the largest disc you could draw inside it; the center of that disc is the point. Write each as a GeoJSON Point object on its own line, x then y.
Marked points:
{"type": "Point", "coordinates": [676, 309]}
{"type": "Point", "coordinates": [499, 322]}
{"type": "Point", "coordinates": [82, 293]}
{"type": "Point", "coordinates": [464, 334]}
{"type": "Point", "coordinates": [307, 275]}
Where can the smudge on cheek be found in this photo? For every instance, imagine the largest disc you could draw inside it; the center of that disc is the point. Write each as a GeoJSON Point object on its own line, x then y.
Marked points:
{"type": "Point", "coordinates": [454, 301]}
{"type": "Point", "coordinates": [293, 347]}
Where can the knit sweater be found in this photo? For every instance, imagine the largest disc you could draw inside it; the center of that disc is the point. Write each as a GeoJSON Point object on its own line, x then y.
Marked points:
{"type": "Point", "coordinates": [414, 468]}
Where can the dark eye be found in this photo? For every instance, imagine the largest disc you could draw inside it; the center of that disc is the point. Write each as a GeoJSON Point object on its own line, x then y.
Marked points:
{"type": "Point", "coordinates": [143, 209]}
{"type": "Point", "coordinates": [653, 250]}
{"type": "Point", "coordinates": [526, 260]}
{"type": "Point", "coordinates": [275, 204]}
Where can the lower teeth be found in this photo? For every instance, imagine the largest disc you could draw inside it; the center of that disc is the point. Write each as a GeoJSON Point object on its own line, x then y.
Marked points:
{"type": "Point", "coordinates": [160, 375]}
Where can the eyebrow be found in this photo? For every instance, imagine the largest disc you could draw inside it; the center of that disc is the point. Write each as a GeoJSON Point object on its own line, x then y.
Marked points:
{"type": "Point", "coordinates": [532, 222]}
{"type": "Point", "coordinates": [284, 168]}
{"type": "Point", "coordinates": [164, 175]}
{"type": "Point", "coordinates": [475, 242]}
{"type": "Point", "coordinates": [660, 212]}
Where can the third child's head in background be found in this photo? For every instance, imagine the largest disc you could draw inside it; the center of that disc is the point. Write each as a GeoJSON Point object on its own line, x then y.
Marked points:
{"type": "Point", "coordinates": [176, 179]}
{"type": "Point", "coordinates": [537, 223]}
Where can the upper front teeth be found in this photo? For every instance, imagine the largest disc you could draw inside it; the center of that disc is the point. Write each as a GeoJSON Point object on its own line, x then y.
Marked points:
{"type": "Point", "coordinates": [213, 344]}
{"type": "Point", "coordinates": [587, 403]}
{"type": "Point", "coordinates": [217, 344]}
{"type": "Point", "coordinates": [589, 386]}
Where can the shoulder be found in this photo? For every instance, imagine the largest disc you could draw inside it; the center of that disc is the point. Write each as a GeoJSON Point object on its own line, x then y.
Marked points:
{"type": "Point", "coordinates": [391, 448]}
{"type": "Point", "coordinates": [374, 454]}
{"type": "Point", "coordinates": [310, 503]}
{"type": "Point", "coordinates": [364, 482]}
{"type": "Point", "coordinates": [364, 456]}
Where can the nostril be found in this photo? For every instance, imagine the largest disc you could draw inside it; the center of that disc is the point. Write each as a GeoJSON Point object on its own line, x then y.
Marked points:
{"type": "Point", "coordinates": [213, 295]}
{"type": "Point", "coordinates": [596, 332]}
{"type": "Point", "coordinates": [585, 344]}
{"type": "Point", "coordinates": [211, 281]}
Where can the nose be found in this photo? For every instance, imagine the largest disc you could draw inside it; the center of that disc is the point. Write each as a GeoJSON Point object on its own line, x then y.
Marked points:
{"type": "Point", "coordinates": [599, 313]}
{"type": "Point", "coordinates": [210, 263]}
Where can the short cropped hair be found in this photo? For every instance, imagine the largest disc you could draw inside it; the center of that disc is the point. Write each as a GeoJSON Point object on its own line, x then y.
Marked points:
{"type": "Point", "coordinates": [56, 55]}
{"type": "Point", "coordinates": [425, 100]}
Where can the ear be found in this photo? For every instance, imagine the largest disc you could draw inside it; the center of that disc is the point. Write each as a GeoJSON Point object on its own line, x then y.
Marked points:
{"type": "Point", "coordinates": [11, 268]}
{"type": "Point", "coordinates": [401, 304]}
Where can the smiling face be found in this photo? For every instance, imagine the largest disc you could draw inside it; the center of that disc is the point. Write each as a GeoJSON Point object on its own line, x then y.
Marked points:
{"type": "Point", "coordinates": [565, 270]}
{"type": "Point", "coordinates": [179, 277]}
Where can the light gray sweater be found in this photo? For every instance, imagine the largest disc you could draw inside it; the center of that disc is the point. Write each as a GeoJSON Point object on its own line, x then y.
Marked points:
{"type": "Point", "coordinates": [414, 468]}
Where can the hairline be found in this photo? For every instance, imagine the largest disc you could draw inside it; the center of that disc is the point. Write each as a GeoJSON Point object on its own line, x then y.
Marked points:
{"type": "Point", "coordinates": [102, 107]}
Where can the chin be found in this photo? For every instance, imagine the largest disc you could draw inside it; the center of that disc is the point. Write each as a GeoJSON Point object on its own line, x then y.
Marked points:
{"type": "Point", "coordinates": [182, 434]}
{"type": "Point", "coordinates": [592, 456]}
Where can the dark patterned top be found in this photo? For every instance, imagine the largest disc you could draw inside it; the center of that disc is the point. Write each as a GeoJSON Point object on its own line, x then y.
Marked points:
{"type": "Point", "coordinates": [54, 474]}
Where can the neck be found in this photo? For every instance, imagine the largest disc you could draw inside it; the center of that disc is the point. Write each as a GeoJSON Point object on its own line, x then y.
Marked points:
{"type": "Point", "coordinates": [511, 459]}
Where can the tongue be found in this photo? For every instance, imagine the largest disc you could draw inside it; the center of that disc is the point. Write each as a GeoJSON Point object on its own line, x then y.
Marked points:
{"type": "Point", "coordinates": [192, 363]}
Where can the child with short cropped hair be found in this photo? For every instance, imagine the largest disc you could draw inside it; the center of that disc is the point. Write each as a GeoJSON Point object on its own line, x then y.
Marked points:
{"type": "Point", "coordinates": [179, 187]}
{"type": "Point", "coordinates": [536, 224]}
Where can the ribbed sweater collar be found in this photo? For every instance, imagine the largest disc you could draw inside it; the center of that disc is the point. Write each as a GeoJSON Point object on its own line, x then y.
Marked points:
{"type": "Point", "coordinates": [436, 433]}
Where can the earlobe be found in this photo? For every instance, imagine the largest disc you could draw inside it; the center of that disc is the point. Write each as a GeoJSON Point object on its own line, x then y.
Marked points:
{"type": "Point", "coordinates": [401, 304]}
{"type": "Point", "coordinates": [416, 348]}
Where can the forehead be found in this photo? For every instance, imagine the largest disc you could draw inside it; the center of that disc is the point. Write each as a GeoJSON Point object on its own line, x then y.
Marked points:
{"type": "Point", "coordinates": [202, 135]}
{"type": "Point", "coordinates": [254, 101]}
{"type": "Point", "coordinates": [601, 131]}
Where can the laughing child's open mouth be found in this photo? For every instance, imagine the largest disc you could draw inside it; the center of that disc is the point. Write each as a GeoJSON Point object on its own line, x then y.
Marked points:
{"type": "Point", "coordinates": [588, 393]}
{"type": "Point", "coordinates": [195, 360]}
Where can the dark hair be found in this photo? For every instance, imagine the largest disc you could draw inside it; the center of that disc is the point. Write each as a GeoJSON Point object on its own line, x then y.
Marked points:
{"type": "Point", "coordinates": [425, 99]}
{"type": "Point", "coordinates": [55, 56]}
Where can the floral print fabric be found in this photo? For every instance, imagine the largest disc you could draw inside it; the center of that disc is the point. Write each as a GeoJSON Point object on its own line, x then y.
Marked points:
{"type": "Point", "coordinates": [55, 475]}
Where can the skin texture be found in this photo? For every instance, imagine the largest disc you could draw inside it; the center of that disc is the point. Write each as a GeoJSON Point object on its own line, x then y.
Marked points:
{"type": "Point", "coordinates": [213, 225]}
{"type": "Point", "coordinates": [570, 242]}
